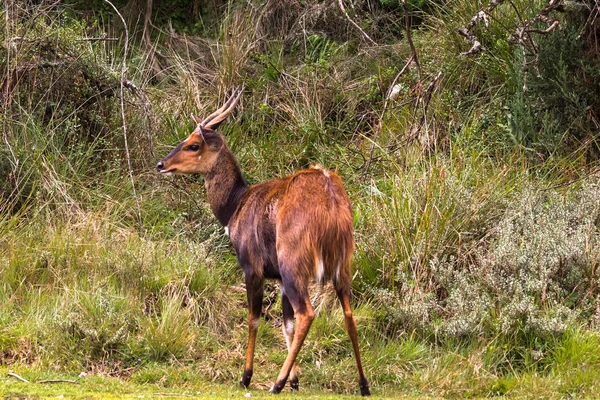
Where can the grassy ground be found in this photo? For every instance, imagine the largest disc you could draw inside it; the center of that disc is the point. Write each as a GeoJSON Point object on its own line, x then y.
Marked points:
{"type": "Point", "coordinates": [441, 373]}
{"type": "Point", "coordinates": [114, 388]}
{"type": "Point", "coordinates": [476, 203]}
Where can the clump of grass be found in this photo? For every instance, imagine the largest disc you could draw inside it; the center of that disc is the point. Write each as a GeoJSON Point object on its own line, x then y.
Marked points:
{"type": "Point", "coordinates": [94, 323]}
{"type": "Point", "coordinates": [169, 332]}
{"type": "Point", "coordinates": [434, 209]}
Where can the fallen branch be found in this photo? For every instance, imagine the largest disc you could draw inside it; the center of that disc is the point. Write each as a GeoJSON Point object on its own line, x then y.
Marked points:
{"type": "Point", "coordinates": [99, 39]}
{"type": "Point", "coordinates": [17, 377]}
{"type": "Point", "coordinates": [58, 381]}
{"type": "Point", "coordinates": [341, 4]}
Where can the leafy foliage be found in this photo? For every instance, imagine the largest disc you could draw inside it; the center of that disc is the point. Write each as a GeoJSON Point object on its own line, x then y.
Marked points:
{"type": "Point", "coordinates": [475, 200]}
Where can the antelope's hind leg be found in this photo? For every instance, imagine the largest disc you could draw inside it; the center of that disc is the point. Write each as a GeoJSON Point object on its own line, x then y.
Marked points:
{"type": "Point", "coordinates": [254, 291]}
{"type": "Point", "coordinates": [343, 292]}
{"type": "Point", "coordinates": [296, 291]}
{"type": "Point", "coordinates": [288, 333]}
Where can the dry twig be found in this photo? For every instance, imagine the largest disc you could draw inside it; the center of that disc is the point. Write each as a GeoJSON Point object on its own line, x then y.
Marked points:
{"type": "Point", "coordinates": [58, 381]}
{"type": "Point", "coordinates": [409, 38]}
{"type": "Point", "coordinates": [425, 101]}
{"type": "Point", "coordinates": [123, 80]}
{"type": "Point", "coordinates": [367, 37]}
{"type": "Point", "coordinates": [19, 377]}
{"type": "Point", "coordinates": [413, 58]}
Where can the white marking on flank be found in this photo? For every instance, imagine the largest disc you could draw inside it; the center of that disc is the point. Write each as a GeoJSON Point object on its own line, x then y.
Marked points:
{"type": "Point", "coordinates": [288, 332]}
{"type": "Point", "coordinates": [289, 326]}
{"type": "Point", "coordinates": [320, 270]}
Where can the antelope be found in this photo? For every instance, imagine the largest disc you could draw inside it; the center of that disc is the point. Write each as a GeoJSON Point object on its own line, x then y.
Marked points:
{"type": "Point", "coordinates": [296, 230]}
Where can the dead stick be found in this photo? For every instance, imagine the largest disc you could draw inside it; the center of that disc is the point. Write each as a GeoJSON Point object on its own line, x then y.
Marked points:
{"type": "Point", "coordinates": [18, 377]}
{"type": "Point", "coordinates": [341, 4]}
{"type": "Point", "coordinates": [99, 39]}
{"type": "Point", "coordinates": [58, 381]}
{"type": "Point", "coordinates": [124, 119]}
{"type": "Point", "coordinates": [409, 38]}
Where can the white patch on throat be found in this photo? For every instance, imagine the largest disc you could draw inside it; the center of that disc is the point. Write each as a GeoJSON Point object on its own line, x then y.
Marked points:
{"type": "Point", "coordinates": [227, 230]}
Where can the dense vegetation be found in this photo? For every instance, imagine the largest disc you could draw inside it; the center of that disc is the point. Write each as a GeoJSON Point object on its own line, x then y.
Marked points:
{"type": "Point", "coordinates": [475, 188]}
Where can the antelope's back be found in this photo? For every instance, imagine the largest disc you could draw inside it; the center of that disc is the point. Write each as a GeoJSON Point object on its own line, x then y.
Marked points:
{"type": "Point", "coordinates": [304, 219]}
{"type": "Point", "coordinates": [314, 223]}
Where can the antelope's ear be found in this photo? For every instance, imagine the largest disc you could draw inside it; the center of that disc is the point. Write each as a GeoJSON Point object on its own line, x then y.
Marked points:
{"type": "Point", "coordinates": [213, 140]}
{"type": "Point", "coordinates": [196, 119]}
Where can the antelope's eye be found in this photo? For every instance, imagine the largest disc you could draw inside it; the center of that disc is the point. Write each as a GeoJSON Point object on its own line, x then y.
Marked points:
{"type": "Point", "coordinates": [194, 147]}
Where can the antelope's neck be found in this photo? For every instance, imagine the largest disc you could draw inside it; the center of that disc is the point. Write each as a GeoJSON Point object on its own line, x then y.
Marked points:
{"type": "Point", "coordinates": [225, 186]}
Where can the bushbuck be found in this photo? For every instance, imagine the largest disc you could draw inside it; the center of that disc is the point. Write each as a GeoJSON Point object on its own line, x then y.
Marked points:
{"type": "Point", "coordinates": [296, 230]}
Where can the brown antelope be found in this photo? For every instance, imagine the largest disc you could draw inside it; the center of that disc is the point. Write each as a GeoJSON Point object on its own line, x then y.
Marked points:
{"type": "Point", "coordinates": [296, 230]}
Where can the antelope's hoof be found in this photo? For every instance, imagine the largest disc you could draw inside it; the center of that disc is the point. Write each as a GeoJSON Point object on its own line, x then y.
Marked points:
{"type": "Point", "coordinates": [245, 381]}
{"type": "Point", "coordinates": [294, 384]}
{"type": "Point", "coordinates": [364, 387]}
{"type": "Point", "coordinates": [277, 387]}
{"type": "Point", "coordinates": [364, 391]}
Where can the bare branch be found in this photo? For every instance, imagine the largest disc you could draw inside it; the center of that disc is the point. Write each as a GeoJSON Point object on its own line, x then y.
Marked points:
{"type": "Point", "coordinates": [367, 37]}
{"type": "Point", "coordinates": [123, 81]}
{"type": "Point", "coordinates": [480, 16]}
{"type": "Point", "coordinates": [409, 38]}
{"type": "Point", "coordinates": [526, 26]}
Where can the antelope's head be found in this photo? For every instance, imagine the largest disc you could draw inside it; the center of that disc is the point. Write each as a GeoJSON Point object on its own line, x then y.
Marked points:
{"type": "Point", "coordinates": [197, 154]}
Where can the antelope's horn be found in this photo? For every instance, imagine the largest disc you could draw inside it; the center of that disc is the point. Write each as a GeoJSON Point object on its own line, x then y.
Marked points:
{"type": "Point", "coordinates": [223, 112]}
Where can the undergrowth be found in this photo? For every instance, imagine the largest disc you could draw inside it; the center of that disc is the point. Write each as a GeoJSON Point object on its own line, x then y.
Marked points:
{"type": "Point", "coordinates": [475, 202]}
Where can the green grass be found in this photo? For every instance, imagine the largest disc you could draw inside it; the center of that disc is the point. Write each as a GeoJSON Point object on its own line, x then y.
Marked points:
{"type": "Point", "coordinates": [476, 226]}
{"type": "Point", "coordinates": [405, 368]}
{"type": "Point", "coordinates": [102, 387]}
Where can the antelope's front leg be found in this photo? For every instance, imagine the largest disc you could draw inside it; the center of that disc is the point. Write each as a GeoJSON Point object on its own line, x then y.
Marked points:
{"type": "Point", "coordinates": [254, 291]}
